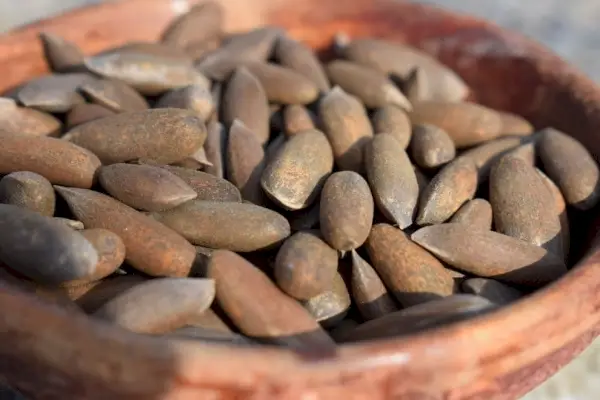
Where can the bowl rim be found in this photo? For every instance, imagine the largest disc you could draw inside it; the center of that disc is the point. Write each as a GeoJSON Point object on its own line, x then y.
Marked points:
{"type": "Point", "coordinates": [488, 344]}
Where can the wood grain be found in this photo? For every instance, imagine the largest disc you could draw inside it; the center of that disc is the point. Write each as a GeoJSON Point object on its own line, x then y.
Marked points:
{"type": "Point", "coordinates": [47, 353]}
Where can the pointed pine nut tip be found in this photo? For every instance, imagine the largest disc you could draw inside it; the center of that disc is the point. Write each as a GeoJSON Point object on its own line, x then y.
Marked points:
{"type": "Point", "coordinates": [513, 124]}
{"type": "Point", "coordinates": [238, 124]}
{"type": "Point", "coordinates": [394, 96]}
{"type": "Point", "coordinates": [71, 196]}
{"type": "Point", "coordinates": [402, 219]}
{"type": "Point", "coordinates": [66, 192]}
{"type": "Point", "coordinates": [335, 94]}
{"type": "Point", "coordinates": [285, 44]}
{"type": "Point", "coordinates": [525, 152]}
{"type": "Point", "coordinates": [239, 128]}
{"type": "Point", "coordinates": [423, 217]}
{"type": "Point", "coordinates": [67, 136]}
{"type": "Point", "coordinates": [355, 258]}
{"type": "Point", "coordinates": [427, 215]}
{"type": "Point", "coordinates": [341, 41]}
{"type": "Point", "coordinates": [183, 198]}
{"type": "Point", "coordinates": [358, 265]}
{"type": "Point", "coordinates": [191, 163]}
{"type": "Point", "coordinates": [423, 237]}
{"type": "Point", "coordinates": [46, 35]}
{"type": "Point", "coordinates": [49, 38]}
{"type": "Point", "coordinates": [282, 40]}
{"type": "Point", "coordinates": [336, 91]}
{"type": "Point", "coordinates": [200, 157]}
{"type": "Point", "coordinates": [419, 236]}
{"type": "Point", "coordinates": [286, 202]}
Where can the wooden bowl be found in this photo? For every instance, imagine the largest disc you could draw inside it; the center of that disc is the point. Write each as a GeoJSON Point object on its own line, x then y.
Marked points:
{"type": "Point", "coordinates": [50, 354]}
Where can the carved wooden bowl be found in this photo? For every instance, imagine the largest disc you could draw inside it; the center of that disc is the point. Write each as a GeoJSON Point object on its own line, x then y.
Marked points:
{"type": "Point", "coordinates": [49, 354]}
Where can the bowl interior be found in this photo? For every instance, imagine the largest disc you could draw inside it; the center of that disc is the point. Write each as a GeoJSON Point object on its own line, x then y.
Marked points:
{"type": "Point", "coordinates": [504, 70]}
{"type": "Point", "coordinates": [497, 65]}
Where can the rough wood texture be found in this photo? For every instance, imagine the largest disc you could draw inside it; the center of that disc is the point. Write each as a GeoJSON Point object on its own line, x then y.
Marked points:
{"type": "Point", "coordinates": [49, 354]}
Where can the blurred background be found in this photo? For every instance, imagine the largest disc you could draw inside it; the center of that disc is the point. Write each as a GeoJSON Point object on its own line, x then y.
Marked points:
{"type": "Point", "coordinates": [570, 28]}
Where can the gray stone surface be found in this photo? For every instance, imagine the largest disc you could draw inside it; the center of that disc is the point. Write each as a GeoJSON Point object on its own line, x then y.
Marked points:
{"type": "Point", "coordinates": [570, 28]}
